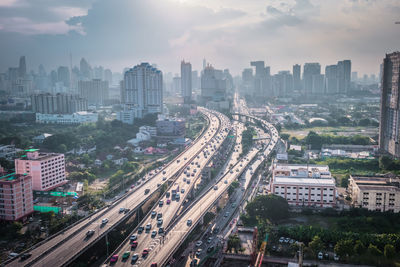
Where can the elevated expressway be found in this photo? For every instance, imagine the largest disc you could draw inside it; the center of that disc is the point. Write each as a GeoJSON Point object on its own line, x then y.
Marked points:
{"type": "Point", "coordinates": [183, 185]}
{"type": "Point", "coordinates": [162, 249]}
{"type": "Point", "coordinates": [66, 245]}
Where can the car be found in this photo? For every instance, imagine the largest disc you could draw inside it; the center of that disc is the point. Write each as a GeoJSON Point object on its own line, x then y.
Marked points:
{"type": "Point", "coordinates": [153, 214]}
{"type": "Point", "coordinates": [233, 205]}
{"type": "Point", "coordinates": [159, 222]}
{"type": "Point", "coordinates": [198, 252]}
{"type": "Point", "coordinates": [90, 233]}
{"type": "Point", "coordinates": [168, 201]}
{"type": "Point", "coordinates": [148, 227]}
{"type": "Point", "coordinates": [193, 262]}
{"type": "Point", "coordinates": [188, 181]}
{"type": "Point", "coordinates": [226, 214]}
{"type": "Point", "coordinates": [126, 255]}
{"type": "Point", "coordinates": [215, 187]}
{"type": "Point", "coordinates": [134, 258]}
{"type": "Point", "coordinates": [133, 237]}
{"type": "Point", "coordinates": [320, 255]}
{"type": "Point", "coordinates": [209, 240]}
{"type": "Point", "coordinates": [126, 210]}
{"type": "Point", "coordinates": [161, 230]}
{"type": "Point", "coordinates": [184, 179]}
{"type": "Point", "coordinates": [291, 241]}
{"type": "Point", "coordinates": [335, 257]}
{"type": "Point", "coordinates": [121, 210]}
{"type": "Point", "coordinates": [226, 182]}
{"type": "Point", "coordinates": [199, 243]}
{"type": "Point", "coordinates": [153, 264]}
{"type": "Point", "coordinates": [160, 203]}
{"type": "Point", "coordinates": [159, 215]}
{"type": "Point", "coordinates": [146, 191]}
{"type": "Point", "coordinates": [134, 244]}
{"type": "Point", "coordinates": [104, 221]}
{"type": "Point", "coordinates": [145, 252]}
{"type": "Point", "coordinates": [25, 256]}
{"type": "Point", "coordinates": [164, 178]}
{"type": "Point", "coordinates": [164, 172]}
{"type": "Point", "coordinates": [140, 229]}
{"type": "Point", "coordinates": [154, 233]}
{"type": "Point", "coordinates": [273, 248]}
{"type": "Point", "coordinates": [216, 230]}
{"type": "Point", "coordinates": [189, 222]}
{"type": "Point", "coordinates": [114, 258]}
{"type": "Point", "coordinates": [182, 190]}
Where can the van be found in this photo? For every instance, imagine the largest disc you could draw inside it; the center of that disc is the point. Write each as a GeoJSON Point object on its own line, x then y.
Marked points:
{"type": "Point", "coordinates": [146, 191]}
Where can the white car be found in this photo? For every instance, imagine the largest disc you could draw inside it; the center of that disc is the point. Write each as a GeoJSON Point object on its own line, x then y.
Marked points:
{"type": "Point", "coordinates": [104, 221]}
{"type": "Point", "coordinates": [199, 243]}
{"type": "Point", "coordinates": [320, 255]}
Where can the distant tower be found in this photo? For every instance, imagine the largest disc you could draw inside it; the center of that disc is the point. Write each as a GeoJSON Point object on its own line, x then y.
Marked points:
{"type": "Point", "coordinates": [204, 63]}
{"type": "Point", "coordinates": [22, 67]}
{"type": "Point", "coordinates": [186, 81]}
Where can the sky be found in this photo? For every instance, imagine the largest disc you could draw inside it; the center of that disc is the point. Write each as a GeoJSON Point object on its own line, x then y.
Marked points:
{"type": "Point", "coordinates": [228, 33]}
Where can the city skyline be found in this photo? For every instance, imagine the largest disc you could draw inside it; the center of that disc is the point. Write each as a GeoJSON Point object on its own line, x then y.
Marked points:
{"type": "Point", "coordinates": [229, 34]}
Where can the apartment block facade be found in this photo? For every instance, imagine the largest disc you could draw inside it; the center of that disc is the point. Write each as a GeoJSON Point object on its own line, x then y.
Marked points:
{"type": "Point", "coordinates": [46, 169]}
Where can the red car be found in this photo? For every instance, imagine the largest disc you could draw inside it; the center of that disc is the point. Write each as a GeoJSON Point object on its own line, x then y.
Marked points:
{"type": "Point", "coordinates": [168, 201]}
{"type": "Point", "coordinates": [114, 258]}
{"type": "Point", "coordinates": [145, 252]}
{"type": "Point", "coordinates": [134, 244]}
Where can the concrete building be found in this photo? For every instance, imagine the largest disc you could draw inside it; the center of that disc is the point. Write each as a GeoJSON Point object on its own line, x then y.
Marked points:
{"type": "Point", "coordinates": [331, 80]}
{"type": "Point", "coordinates": [309, 70]}
{"type": "Point", "coordinates": [389, 127]}
{"type": "Point", "coordinates": [262, 80]}
{"type": "Point", "coordinates": [7, 151]}
{"type": "Point", "coordinates": [186, 81]}
{"type": "Point", "coordinates": [304, 185]}
{"type": "Point", "coordinates": [213, 86]}
{"type": "Point", "coordinates": [375, 193]}
{"type": "Point", "coordinates": [344, 76]}
{"type": "Point", "coordinates": [63, 76]}
{"type": "Point", "coordinates": [40, 138]}
{"type": "Point", "coordinates": [95, 91]}
{"type": "Point", "coordinates": [297, 77]}
{"type": "Point", "coordinates": [74, 118]}
{"type": "Point", "coordinates": [58, 104]}
{"type": "Point", "coordinates": [145, 134]}
{"type": "Point", "coordinates": [16, 196]}
{"type": "Point", "coordinates": [171, 127]}
{"type": "Point", "coordinates": [46, 169]}
{"type": "Point", "coordinates": [283, 84]}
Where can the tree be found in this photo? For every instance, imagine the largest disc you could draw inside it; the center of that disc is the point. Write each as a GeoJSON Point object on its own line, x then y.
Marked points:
{"type": "Point", "coordinates": [234, 243]}
{"type": "Point", "coordinates": [389, 251]}
{"type": "Point", "coordinates": [344, 248]}
{"type": "Point", "coordinates": [232, 187]}
{"type": "Point", "coordinates": [314, 140]}
{"type": "Point", "coordinates": [285, 136]}
{"type": "Point", "coordinates": [268, 207]}
{"type": "Point", "coordinates": [345, 181]}
{"type": "Point", "coordinates": [359, 247]}
{"type": "Point", "coordinates": [316, 244]}
{"type": "Point", "coordinates": [374, 250]}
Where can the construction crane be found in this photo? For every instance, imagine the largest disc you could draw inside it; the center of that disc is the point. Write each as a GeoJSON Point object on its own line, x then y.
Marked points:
{"type": "Point", "coordinates": [261, 253]}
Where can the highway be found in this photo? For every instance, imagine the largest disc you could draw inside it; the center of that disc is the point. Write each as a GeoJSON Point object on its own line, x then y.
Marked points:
{"type": "Point", "coordinates": [65, 246]}
{"type": "Point", "coordinates": [175, 236]}
{"type": "Point", "coordinates": [170, 206]}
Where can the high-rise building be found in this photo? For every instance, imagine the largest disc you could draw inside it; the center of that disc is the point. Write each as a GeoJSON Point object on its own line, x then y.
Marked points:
{"type": "Point", "coordinates": [176, 84]}
{"type": "Point", "coordinates": [331, 79]}
{"type": "Point", "coordinates": [344, 76]}
{"type": "Point", "coordinates": [309, 70]}
{"type": "Point", "coordinates": [389, 127]}
{"type": "Point", "coordinates": [262, 80]}
{"type": "Point", "coordinates": [108, 76]}
{"type": "Point", "coordinates": [195, 80]}
{"type": "Point", "coordinates": [63, 75]}
{"type": "Point", "coordinates": [85, 69]}
{"type": "Point", "coordinates": [98, 72]}
{"type": "Point", "coordinates": [354, 76]}
{"type": "Point", "coordinates": [57, 104]}
{"type": "Point", "coordinates": [95, 91]}
{"type": "Point", "coordinates": [186, 81]}
{"type": "Point", "coordinates": [297, 77]}
{"type": "Point", "coordinates": [213, 86]}
{"type": "Point", "coordinates": [46, 169]}
{"type": "Point", "coordinates": [144, 89]}
{"type": "Point", "coordinates": [16, 196]}
{"type": "Point", "coordinates": [318, 84]}
{"type": "Point", "coordinates": [22, 67]}
{"type": "Point", "coordinates": [283, 84]}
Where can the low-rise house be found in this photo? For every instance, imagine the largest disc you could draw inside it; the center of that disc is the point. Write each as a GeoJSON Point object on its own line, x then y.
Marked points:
{"type": "Point", "coordinates": [40, 138]}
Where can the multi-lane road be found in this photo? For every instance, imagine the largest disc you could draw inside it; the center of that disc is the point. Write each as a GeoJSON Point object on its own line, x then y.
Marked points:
{"type": "Point", "coordinates": [65, 246]}
{"type": "Point", "coordinates": [148, 235]}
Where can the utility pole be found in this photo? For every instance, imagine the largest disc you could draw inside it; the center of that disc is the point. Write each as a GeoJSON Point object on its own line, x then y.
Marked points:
{"type": "Point", "coordinates": [107, 243]}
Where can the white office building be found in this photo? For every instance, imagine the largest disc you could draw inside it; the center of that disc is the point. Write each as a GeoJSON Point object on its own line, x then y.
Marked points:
{"type": "Point", "coordinates": [304, 185]}
{"type": "Point", "coordinates": [75, 118]}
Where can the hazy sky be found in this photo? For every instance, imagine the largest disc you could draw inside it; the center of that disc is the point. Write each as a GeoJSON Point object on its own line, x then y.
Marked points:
{"type": "Point", "coordinates": [228, 33]}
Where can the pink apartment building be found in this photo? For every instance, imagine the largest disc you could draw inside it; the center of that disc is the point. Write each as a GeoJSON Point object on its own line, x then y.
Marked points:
{"type": "Point", "coordinates": [47, 169]}
{"type": "Point", "coordinates": [16, 196]}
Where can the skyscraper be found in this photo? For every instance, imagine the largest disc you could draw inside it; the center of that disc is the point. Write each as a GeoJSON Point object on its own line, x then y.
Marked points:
{"type": "Point", "coordinates": [22, 67]}
{"type": "Point", "coordinates": [309, 70]}
{"type": "Point", "coordinates": [297, 77]}
{"type": "Point", "coordinates": [331, 80]}
{"type": "Point", "coordinates": [95, 91]}
{"type": "Point", "coordinates": [262, 79]}
{"type": "Point", "coordinates": [186, 81]}
{"type": "Point", "coordinates": [213, 86]}
{"type": "Point", "coordinates": [389, 127]}
{"type": "Point", "coordinates": [85, 69]}
{"type": "Point", "coordinates": [344, 76]}
{"type": "Point", "coordinates": [63, 75]}
{"type": "Point", "coordinates": [144, 89]}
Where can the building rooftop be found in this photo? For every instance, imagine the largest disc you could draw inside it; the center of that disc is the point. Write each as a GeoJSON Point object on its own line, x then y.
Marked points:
{"type": "Point", "coordinates": [305, 181]}
{"type": "Point", "coordinates": [11, 176]}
